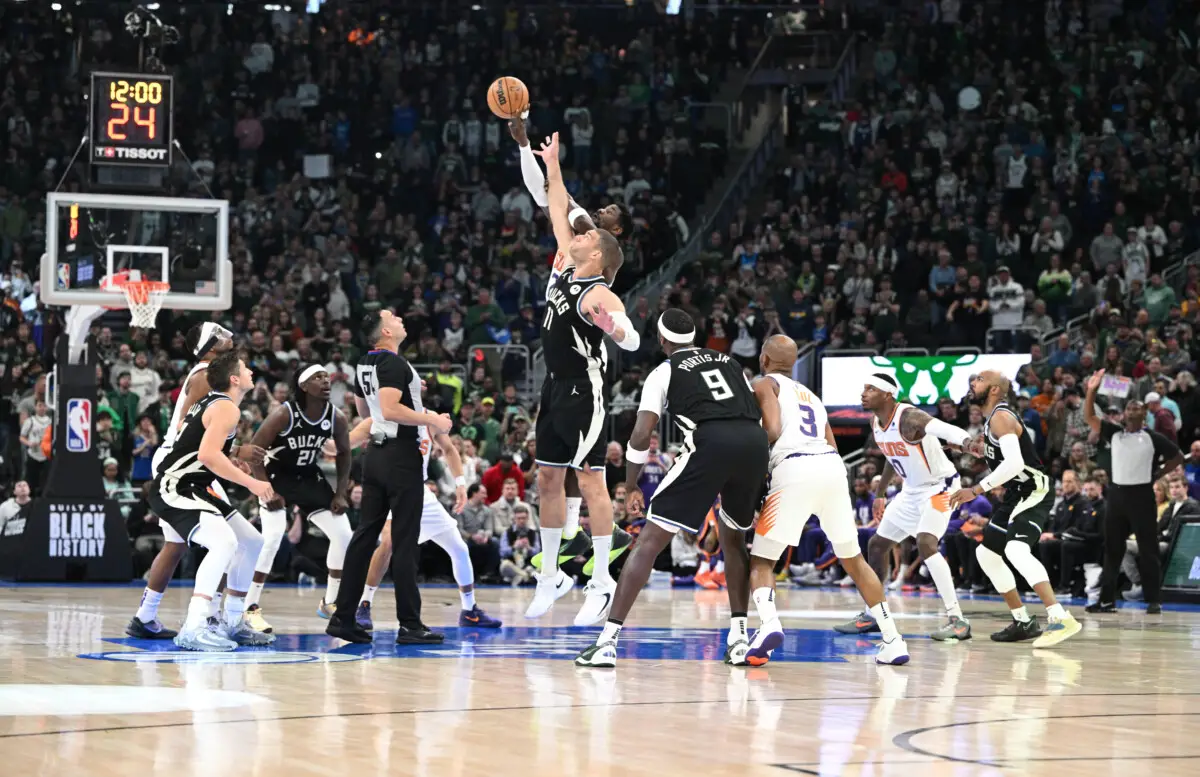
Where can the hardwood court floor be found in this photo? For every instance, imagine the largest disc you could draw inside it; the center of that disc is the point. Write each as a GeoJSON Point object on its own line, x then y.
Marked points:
{"type": "Point", "coordinates": [77, 698]}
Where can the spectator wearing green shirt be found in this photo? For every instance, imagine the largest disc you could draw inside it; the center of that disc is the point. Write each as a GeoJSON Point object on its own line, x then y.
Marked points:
{"type": "Point", "coordinates": [480, 316]}
{"type": "Point", "coordinates": [491, 430]}
{"type": "Point", "coordinates": [1054, 287]}
{"type": "Point", "coordinates": [1159, 299]}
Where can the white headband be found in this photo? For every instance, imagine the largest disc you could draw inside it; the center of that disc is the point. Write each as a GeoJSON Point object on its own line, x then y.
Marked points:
{"type": "Point", "coordinates": [313, 370]}
{"type": "Point", "coordinates": [684, 338]}
{"type": "Point", "coordinates": [882, 385]}
{"type": "Point", "coordinates": [210, 333]}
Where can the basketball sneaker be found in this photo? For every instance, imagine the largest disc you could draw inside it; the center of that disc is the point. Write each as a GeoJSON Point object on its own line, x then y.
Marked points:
{"type": "Point", "coordinates": [599, 656]}
{"type": "Point", "coordinates": [597, 599]}
{"type": "Point", "coordinates": [765, 641]}
{"type": "Point", "coordinates": [863, 623]}
{"type": "Point", "coordinates": [578, 545]}
{"type": "Point", "coordinates": [621, 540]}
{"type": "Point", "coordinates": [418, 635]}
{"type": "Point", "coordinates": [1016, 631]}
{"type": "Point", "coordinates": [735, 654]}
{"type": "Point", "coordinates": [362, 617]}
{"type": "Point", "coordinates": [955, 629]}
{"type": "Point", "coordinates": [152, 630]}
{"type": "Point", "coordinates": [205, 639]}
{"type": "Point", "coordinates": [476, 618]}
{"type": "Point", "coordinates": [894, 653]}
{"type": "Point", "coordinates": [255, 620]}
{"type": "Point", "coordinates": [1058, 630]}
{"type": "Point", "coordinates": [325, 609]}
{"type": "Point", "coordinates": [705, 580]}
{"type": "Point", "coordinates": [245, 636]}
{"type": "Point", "coordinates": [1101, 608]}
{"type": "Point", "coordinates": [550, 588]}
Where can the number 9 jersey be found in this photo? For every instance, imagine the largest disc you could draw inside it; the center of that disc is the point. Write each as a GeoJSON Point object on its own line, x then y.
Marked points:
{"type": "Point", "coordinates": [802, 419]}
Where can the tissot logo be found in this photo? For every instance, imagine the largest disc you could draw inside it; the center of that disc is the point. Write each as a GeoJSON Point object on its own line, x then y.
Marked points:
{"type": "Point", "coordinates": [151, 154]}
{"type": "Point", "coordinates": [77, 530]}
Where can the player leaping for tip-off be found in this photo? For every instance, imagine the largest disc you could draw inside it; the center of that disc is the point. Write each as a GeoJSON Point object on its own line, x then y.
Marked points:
{"type": "Point", "coordinates": [616, 220]}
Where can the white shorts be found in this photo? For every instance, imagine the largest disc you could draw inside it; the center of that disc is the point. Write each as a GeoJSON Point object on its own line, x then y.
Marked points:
{"type": "Point", "coordinates": [169, 533]}
{"type": "Point", "coordinates": [918, 510]}
{"type": "Point", "coordinates": [801, 487]}
{"type": "Point", "coordinates": [434, 519]}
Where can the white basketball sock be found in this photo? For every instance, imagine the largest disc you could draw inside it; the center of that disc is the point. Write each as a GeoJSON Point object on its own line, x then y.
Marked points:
{"type": "Point", "coordinates": [1020, 614]}
{"type": "Point", "coordinates": [197, 614]}
{"type": "Point", "coordinates": [332, 586]}
{"type": "Point", "coordinates": [551, 542]}
{"type": "Point", "coordinates": [883, 616]}
{"type": "Point", "coordinates": [943, 578]}
{"type": "Point", "coordinates": [601, 547]}
{"type": "Point", "coordinates": [214, 607]}
{"type": "Point", "coordinates": [1056, 612]}
{"type": "Point", "coordinates": [148, 610]}
{"type": "Point", "coordinates": [253, 594]}
{"type": "Point", "coordinates": [468, 599]}
{"type": "Point", "coordinates": [764, 602]}
{"type": "Point", "coordinates": [571, 526]}
{"type": "Point", "coordinates": [737, 630]}
{"type": "Point", "coordinates": [235, 608]}
{"type": "Point", "coordinates": [610, 633]}
{"type": "Point", "coordinates": [369, 593]}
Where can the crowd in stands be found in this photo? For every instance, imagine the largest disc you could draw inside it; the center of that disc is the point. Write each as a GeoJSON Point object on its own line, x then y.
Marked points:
{"type": "Point", "coordinates": [994, 172]}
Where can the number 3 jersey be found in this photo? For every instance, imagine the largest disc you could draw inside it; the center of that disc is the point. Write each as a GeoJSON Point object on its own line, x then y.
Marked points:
{"type": "Point", "coordinates": [802, 420]}
{"type": "Point", "coordinates": [299, 446]}
{"type": "Point", "coordinates": [921, 463]}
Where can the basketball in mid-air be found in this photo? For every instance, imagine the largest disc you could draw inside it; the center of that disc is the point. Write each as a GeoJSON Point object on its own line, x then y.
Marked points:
{"type": "Point", "coordinates": [507, 97]}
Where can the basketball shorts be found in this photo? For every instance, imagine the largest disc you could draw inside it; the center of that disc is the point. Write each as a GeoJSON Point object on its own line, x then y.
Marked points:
{"type": "Point", "coordinates": [571, 422]}
{"type": "Point", "coordinates": [434, 519]}
{"type": "Point", "coordinates": [919, 510]}
{"type": "Point", "coordinates": [1020, 521]}
{"type": "Point", "coordinates": [179, 505]}
{"type": "Point", "coordinates": [309, 491]}
{"type": "Point", "coordinates": [802, 486]}
{"type": "Point", "coordinates": [728, 459]}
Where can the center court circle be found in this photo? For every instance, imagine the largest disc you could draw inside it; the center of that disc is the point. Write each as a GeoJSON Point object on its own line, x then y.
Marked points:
{"type": "Point", "coordinates": [234, 657]}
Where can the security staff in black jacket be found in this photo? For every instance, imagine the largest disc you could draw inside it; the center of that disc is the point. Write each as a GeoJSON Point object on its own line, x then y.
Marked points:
{"type": "Point", "coordinates": [1083, 540]}
{"type": "Point", "coordinates": [1050, 545]}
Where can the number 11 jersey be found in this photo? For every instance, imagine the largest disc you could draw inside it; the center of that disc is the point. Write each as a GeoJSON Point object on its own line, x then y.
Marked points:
{"type": "Point", "coordinates": [802, 420]}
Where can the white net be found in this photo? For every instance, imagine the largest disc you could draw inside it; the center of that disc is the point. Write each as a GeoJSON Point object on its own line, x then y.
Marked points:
{"type": "Point", "coordinates": [145, 299]}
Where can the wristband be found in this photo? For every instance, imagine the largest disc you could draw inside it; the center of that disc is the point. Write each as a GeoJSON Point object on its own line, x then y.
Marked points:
{"type": "Point", "coordinates": [460, 480]}
{"type": "Point", "coordinates": [576, 214]}
{"type": "Point", "coordinates": [632, 454]}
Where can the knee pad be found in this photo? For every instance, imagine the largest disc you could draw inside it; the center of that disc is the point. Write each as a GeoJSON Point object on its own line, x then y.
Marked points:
{"type": "Point", "coordinates": [994, 567]}
{"type": "Point", "coordinates": [1022, 558]}
{"type": "Point", "coordinates": [337, 529]}
{"type": "Point", "coordinates": [846, 548]}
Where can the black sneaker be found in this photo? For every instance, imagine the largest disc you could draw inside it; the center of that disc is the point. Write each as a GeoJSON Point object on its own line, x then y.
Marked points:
{"type": "Point", "coordinates": [1154, 609]}
{"type": "Point", "coordinates": [351, 632]}
{"type": "Point", "coordinates": [1018, 631]}
{"type": "Point", "coordinates": [418, 635]}
{"type": "Point", "coordinates": [152, 630]}
{"type": "Point", "coordinates": [1101, 608]}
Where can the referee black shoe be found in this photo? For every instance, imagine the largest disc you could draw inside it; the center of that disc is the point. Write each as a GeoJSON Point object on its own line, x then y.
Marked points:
{"type": "Point", "coordinates": [351, 632]}
{"type": "Point", "coordinates": [1101, 608]}
{"type": "Point", "coordinates": [1018, 631]}
{"type": "Point", "coordinates": [418, 635]}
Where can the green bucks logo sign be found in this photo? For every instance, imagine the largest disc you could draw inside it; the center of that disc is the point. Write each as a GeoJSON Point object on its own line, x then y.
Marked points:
{"type": "Point", "coordinates": [923, 379]}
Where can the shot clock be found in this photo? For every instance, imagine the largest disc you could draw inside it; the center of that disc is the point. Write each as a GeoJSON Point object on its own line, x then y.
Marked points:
{"type": "Point", "coordinates": [131, 119]}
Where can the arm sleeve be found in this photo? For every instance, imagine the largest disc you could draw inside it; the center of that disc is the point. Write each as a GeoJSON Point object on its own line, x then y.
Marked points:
{"type": "Point", "coordinates": [654, 392]}
{"type": "Point", "coordinates": [632, 340]}
{"type": "Point", "coordinates": [944, 431]}
{"type": "Point", "coordinates": [535, 179]}
{"type": "Point", "coordinates": [1010, 466]}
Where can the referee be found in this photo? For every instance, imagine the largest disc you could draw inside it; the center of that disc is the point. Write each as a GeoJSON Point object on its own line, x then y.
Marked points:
{"type": "Point", "coordinates": [388, 390]}
{"type": "Point", "coordinates": [1139, 458]}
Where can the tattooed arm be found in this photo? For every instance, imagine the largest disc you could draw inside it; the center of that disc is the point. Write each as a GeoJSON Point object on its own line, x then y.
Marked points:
{"type": "Point", "coordinates": [915, 424]}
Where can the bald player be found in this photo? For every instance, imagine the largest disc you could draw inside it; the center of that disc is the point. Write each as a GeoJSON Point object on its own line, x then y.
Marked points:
{"type": "Point", "coordinates": [1018, 521]}
{"type": "Point", "coordinates": [807, 478]}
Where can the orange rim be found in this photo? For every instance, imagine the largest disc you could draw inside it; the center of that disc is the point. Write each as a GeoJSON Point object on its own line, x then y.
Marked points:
{"type": "Point", "coordinates": [140, 291]}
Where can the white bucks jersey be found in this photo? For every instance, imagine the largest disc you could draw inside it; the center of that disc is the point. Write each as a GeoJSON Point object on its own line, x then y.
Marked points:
{"type": "Point", "coordinates": [921, 463]}
{"type": "Point", "coordinates": [802, 420]}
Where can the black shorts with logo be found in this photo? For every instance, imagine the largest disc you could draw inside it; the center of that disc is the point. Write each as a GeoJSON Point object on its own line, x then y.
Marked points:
{"type": "Point", "coordinates": [1019, 521]}
{"type": "Point", "coordinates": [307, 489]}
{"type": "Point", "coordinates": [180, 504]}
{"type": "Point", "coordinates": [571, 422]}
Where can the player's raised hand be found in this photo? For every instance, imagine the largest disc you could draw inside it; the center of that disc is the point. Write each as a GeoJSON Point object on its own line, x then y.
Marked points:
{"type": "Point", "coordinates": [549, 150]}
{"type": "Point", "coordinates": [1093, 382]}
{"type": "Point", "coordinates": [635, 502]}
{"type": "Point", "coordinates": [516, 128]}
{"type": "Point", "coordinates": [603, 319]}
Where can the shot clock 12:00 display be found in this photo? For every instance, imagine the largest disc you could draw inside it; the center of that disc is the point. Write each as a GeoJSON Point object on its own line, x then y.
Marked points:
{"type": "Point", "coordinates": [132, 119]}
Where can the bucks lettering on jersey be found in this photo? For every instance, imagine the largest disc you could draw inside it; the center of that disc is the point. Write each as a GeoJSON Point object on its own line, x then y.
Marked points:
{"type": "Point", "coordinates": [300, 445]}
{"type": "Point", "coordinates": [182, 464]}
{"type": "Point", "coordinates": [707, 385]}
{"type": "Point", "coordinates": [1031, 482]}
{"type": "Point", "coordinates": [572, 344]}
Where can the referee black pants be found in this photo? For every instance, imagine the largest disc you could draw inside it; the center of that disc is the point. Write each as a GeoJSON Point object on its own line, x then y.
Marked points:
{"type": "Point", "coordinates": [392, 482]}
{"type": "Point", "coordinates": [1131, 510]}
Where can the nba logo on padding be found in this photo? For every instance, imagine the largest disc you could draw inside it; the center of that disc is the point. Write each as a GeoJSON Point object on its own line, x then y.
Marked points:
{"type": "Point", "coordinates": [79, 425]}
{"type": "Point", "coordinates": [64, 276]}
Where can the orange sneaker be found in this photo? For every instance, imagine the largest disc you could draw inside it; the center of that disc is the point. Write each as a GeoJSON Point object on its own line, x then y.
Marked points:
{"type": "Point", "coordinates": [705, 580]}
{"type": "Point", "coordinates": [719, 579]}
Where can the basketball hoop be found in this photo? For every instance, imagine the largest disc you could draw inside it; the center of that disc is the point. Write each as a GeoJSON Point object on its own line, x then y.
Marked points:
{"type": "Point", "coordinates": [144, 298]}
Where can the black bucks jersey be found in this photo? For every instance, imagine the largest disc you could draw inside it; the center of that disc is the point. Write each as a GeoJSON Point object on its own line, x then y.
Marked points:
{"type": "Point", "coordinates": [182, 465]}
{"type": "Point", "coordinates": [572, 344]}
{"type": "Point", "coordinates": [1031, 484]}
{"type": "Point", "coordinates": [300, 446]}
{"type": "Point", "coordinates": [725, 451]}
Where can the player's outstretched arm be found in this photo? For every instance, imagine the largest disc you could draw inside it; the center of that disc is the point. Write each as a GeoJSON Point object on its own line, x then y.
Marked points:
{"type": "Point", "coordinates": [360, 433]}
{"type": "Point", "coordinates": [766, 392]}
{"type": "Point", "coordinates": [915, 424]}
{"type": "Point", "coordinates": [556, 193]}
{"type": "Point", "coordinates": [1007, 429]}
{"type": "Point", "coordinates": [220, 421]}
{"type": "Point", "coordinates": [394, 409]}
{"type": "Point", "coordinates": [650, 409]}
{"type": "Point", "coordinates": [1089, 401]}
{"type": "Point", "coordinates": [341, 440]}
{"type": "Point", "coordinates": [607, 311]}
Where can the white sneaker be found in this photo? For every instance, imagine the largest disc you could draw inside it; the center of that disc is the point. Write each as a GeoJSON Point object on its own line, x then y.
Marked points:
{"type": "Point", "coordinates": [598, 656]}
{"type": "Point", "coordinates": [550, 589]}
{"type": "Point", "coordinates": [800, 570]}
{"type": "Point", "coordinates": [206, 639]}
{"type": "Point", "coordinates": [894, 653]}
{"type": "Point", "coordinates": [766, 640]}
{"type": "Point", "coordinates": [894, 585]}
{"type": "Point", "coordinates": [846, 582]}
{"type": "Point", "coordinates": [598, 599]}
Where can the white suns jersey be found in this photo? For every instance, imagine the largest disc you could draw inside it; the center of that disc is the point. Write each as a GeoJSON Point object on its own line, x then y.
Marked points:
{"type": "Point", "coordinates": [802, 419]}
{"type": "Point", "coordinates": [177, 414]}
{"type": "Point", "coordinates": [919, 464]}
